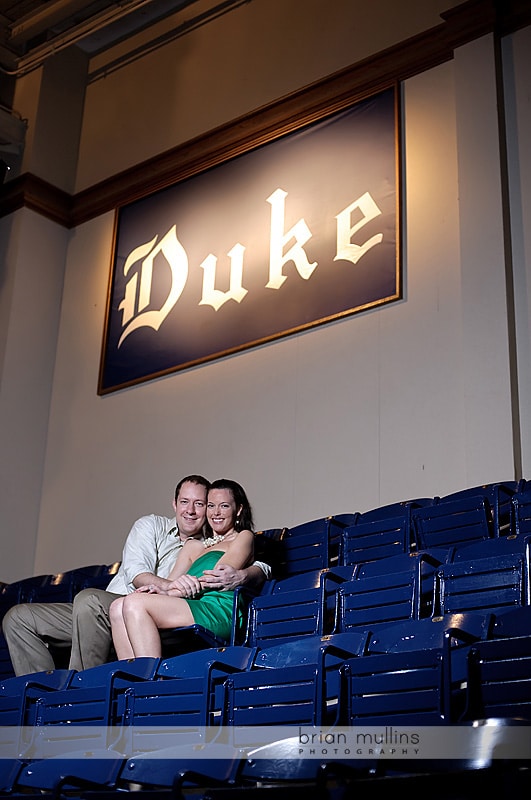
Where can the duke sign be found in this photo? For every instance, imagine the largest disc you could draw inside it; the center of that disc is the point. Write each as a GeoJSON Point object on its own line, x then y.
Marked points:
{"type": "Point", "coordinates": [293, 234]}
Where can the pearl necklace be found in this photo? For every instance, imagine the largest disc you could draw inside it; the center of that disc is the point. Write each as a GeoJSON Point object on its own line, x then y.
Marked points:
{"type": "Point", "coordinates": [212, 540]}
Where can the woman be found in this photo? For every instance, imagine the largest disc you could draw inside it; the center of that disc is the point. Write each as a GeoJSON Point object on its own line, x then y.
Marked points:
{"type": "Point", "coordinates": [137, 617]}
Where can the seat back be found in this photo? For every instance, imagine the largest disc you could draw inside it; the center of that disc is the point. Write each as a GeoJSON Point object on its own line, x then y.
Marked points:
{"type": "Point", "coordinates": [63, 587]}
{"type": "Point", "coordinates": [308, 547]}
{"type": "Point", "coordinates": [92, 709]}
{"type": "Point", "coordinates": [482, 584]}
{"type": "Point", "coordinates": [498, 497]}
{"type": "Point", "coordinates": [294, 683]}
{"type": "Point", "coordinates": [424, 563]}
{"type": "Point", "coordinates": [21, 591]}
{"type": "Point", "coordinates": [376, 539]}
{"type": "Point", "coordinates": [499, 679]}
{"type": "Point", "coordinates": [287, 615]}
{"type": "Point", "coordinates": [521, 513]}
{"type": "Point", "coordinates": [368, 602]}
{"type": "Point", "coordinates": [453, 522]}
{"type": "Point", "coordinates": [394, 509]}
{"type": "Point", "coordinates": [509, 545]}
{"type": "Point", "coordinates": [394, 689]}
{"type": "Point", "coordinates": [406, 676]}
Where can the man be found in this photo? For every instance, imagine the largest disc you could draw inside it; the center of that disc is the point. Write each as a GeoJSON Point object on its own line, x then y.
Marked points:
{"type": "Point", "coordinates": [148, 556]}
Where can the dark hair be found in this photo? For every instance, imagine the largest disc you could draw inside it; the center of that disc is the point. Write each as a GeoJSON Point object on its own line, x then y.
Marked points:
{"type": "Point", "coordinates": [199, 479]}
{"type": "Point", "coordinates": [244, 520]}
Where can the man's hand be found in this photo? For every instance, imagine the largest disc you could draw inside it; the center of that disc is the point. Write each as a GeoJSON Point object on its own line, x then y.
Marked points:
{"type": "Point", "coordinates": [150, 580]}
{"type": "Point", "coordinates": [151, 588]}
{"type": "Point", "coordinates": [223, 577]}
{"type": "Point", "coordinates": [185, 586]}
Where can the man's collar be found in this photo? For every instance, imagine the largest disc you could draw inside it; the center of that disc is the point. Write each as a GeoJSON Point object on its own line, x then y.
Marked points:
{"type": "Point", "coordinates": [175, 531]}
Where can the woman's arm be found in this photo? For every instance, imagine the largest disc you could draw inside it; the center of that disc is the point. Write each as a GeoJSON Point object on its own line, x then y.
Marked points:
{"type": "Point", "coordinates": [240, 552]}
{"type": "Point", "coordinates": [188, 553]}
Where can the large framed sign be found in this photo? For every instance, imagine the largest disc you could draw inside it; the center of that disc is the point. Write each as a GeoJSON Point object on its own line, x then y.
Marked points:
{"type": "Point", "coordinates": [289, 235]}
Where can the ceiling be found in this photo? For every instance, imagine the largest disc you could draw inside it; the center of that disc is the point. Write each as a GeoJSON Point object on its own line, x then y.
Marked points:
{"type": "Point", "coordinates": [33, 30]}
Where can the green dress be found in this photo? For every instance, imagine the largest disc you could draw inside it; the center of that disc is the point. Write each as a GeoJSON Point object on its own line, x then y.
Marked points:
{"type": "Point", "coordinates": [213, 609]}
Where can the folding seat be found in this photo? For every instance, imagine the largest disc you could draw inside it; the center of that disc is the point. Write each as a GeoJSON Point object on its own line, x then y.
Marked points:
{"type": "Point", "coordinates": [308, 547]}
{"type": "Point", "coordinates": [184, 699]}
{"type": "Point", "coordinates": [89, 710]}
{"type": "Point", "coordinates": [498, 496]}
{"type": "Point", "coordinates": [18, 705]}
{"type": "Point", "coordinates": [499, 671]}
{"type": "Point", "coordinates": [303, 605]}
{"type": "Point", "coordinates": [369, 602]}
{"type": "Point", "coordinates": [21, 591]}
{"type": "Point", "coordinates": [63, 587]}
{"type": "Point", "coordinates": [453, 522]}
{"type": "Point", "coordinates": [6, 667]}
{"type": "Point", "coordinates": [376, 539]}
{"type": "Point", "coordinates": [289, 685]}
{"type": "Point", "coordinates": [61, 775]}
{"type": "Point", "coordinates": [282, 686]}
{"type": "Point", "coordinates": [521, 513]}
{"type": "Point", "coordinates": [177, 700]}
{"type": "Point", "coordinates": [79, 731]}
{"type": "Point", "coordinates": [406, 677]}
{"type": "Point", "coordinates": [396, 509]}
{"type": "Point", "coordinates": [178, 767]}
{"type": "Point", "coordinates": [495, 583]}
{"type": "Point", "coordinates": [423, 562]}
{"type": "Point", "coordinates": [510, 545]}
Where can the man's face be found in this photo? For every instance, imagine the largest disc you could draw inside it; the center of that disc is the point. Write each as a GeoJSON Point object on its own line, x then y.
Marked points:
{"type": "Point", "coordinates": [190, 509]}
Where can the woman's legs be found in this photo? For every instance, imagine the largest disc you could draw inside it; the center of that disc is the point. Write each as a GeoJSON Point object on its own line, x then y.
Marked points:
{"type": "Point", "coordinates": [144, 614]}
{"type": "Point", "coordinates": [122, 645]}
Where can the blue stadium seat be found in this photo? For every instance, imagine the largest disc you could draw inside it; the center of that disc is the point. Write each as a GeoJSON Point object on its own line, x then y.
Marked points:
{"type": "Point", "coordinates": [376, 539]}
{"type": "Point", "coordinates": [499, 673]}
{"type": "Point", "coordinates": [19, 703]}
{"type": "Point", "coordinates": [452, 522]}
{"type": "Point", "coordinates": [405, 677]}
{"type": "Point", "coordinates": [521, 513]}
{"type": "Point", "coordinates": [365, 603]}
{"type": "Point", "coordinates": [493, 584]}
{"type": "Point", "coordinates": [498, 496]}
{"type": "Point", "coordinates": [303, 605]}
{"type": "Point", "coordinates": [307, 547]}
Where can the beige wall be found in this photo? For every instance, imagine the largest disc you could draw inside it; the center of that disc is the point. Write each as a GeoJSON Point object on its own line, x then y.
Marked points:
{"type": "Point", "coordinates": [247, 58]}
{"type": "Point", "coordinates": [412, 399]}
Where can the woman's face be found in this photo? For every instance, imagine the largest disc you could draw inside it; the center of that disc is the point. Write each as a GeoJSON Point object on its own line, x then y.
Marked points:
{"type": "Point", "coordinates": [221, 510]}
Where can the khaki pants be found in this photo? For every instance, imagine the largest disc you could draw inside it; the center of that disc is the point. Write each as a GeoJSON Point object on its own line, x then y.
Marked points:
{"type": "Point", "coordinates": [31, 628]}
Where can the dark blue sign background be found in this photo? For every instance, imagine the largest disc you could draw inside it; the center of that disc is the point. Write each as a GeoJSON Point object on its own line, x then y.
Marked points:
{"type": "Point", "coordinates": [323, 168]}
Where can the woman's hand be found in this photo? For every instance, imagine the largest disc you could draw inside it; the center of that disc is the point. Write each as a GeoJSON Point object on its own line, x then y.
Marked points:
{"type": "Point", "coordinates": [185, 586]}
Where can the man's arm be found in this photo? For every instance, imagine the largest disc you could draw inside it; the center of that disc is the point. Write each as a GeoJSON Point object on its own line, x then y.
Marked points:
{"type": "Point", "coordinates": [145, 578]}
{"type": "Point", "coordinates": [140, 557]}
{"type": "Point", "coordinates": [227, 578]}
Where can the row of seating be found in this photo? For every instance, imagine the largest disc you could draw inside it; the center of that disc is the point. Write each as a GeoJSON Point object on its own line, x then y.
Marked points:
{"type": "Point", "coordinates": [56, 588]}
{"type": "Point", "coordinates": [49, 588]}
{"type": "Point", "coordinates": [476, 514]}
{"type": "Point", "coordinates": [148, 720]}
{"type": "Point", "coordinates": [422, 623]}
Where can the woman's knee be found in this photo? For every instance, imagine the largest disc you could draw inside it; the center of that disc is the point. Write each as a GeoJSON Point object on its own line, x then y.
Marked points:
{"type": "Point", "coordinates": [135, 605]}
{"type": "Point", "coordinates": [116, 610]}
